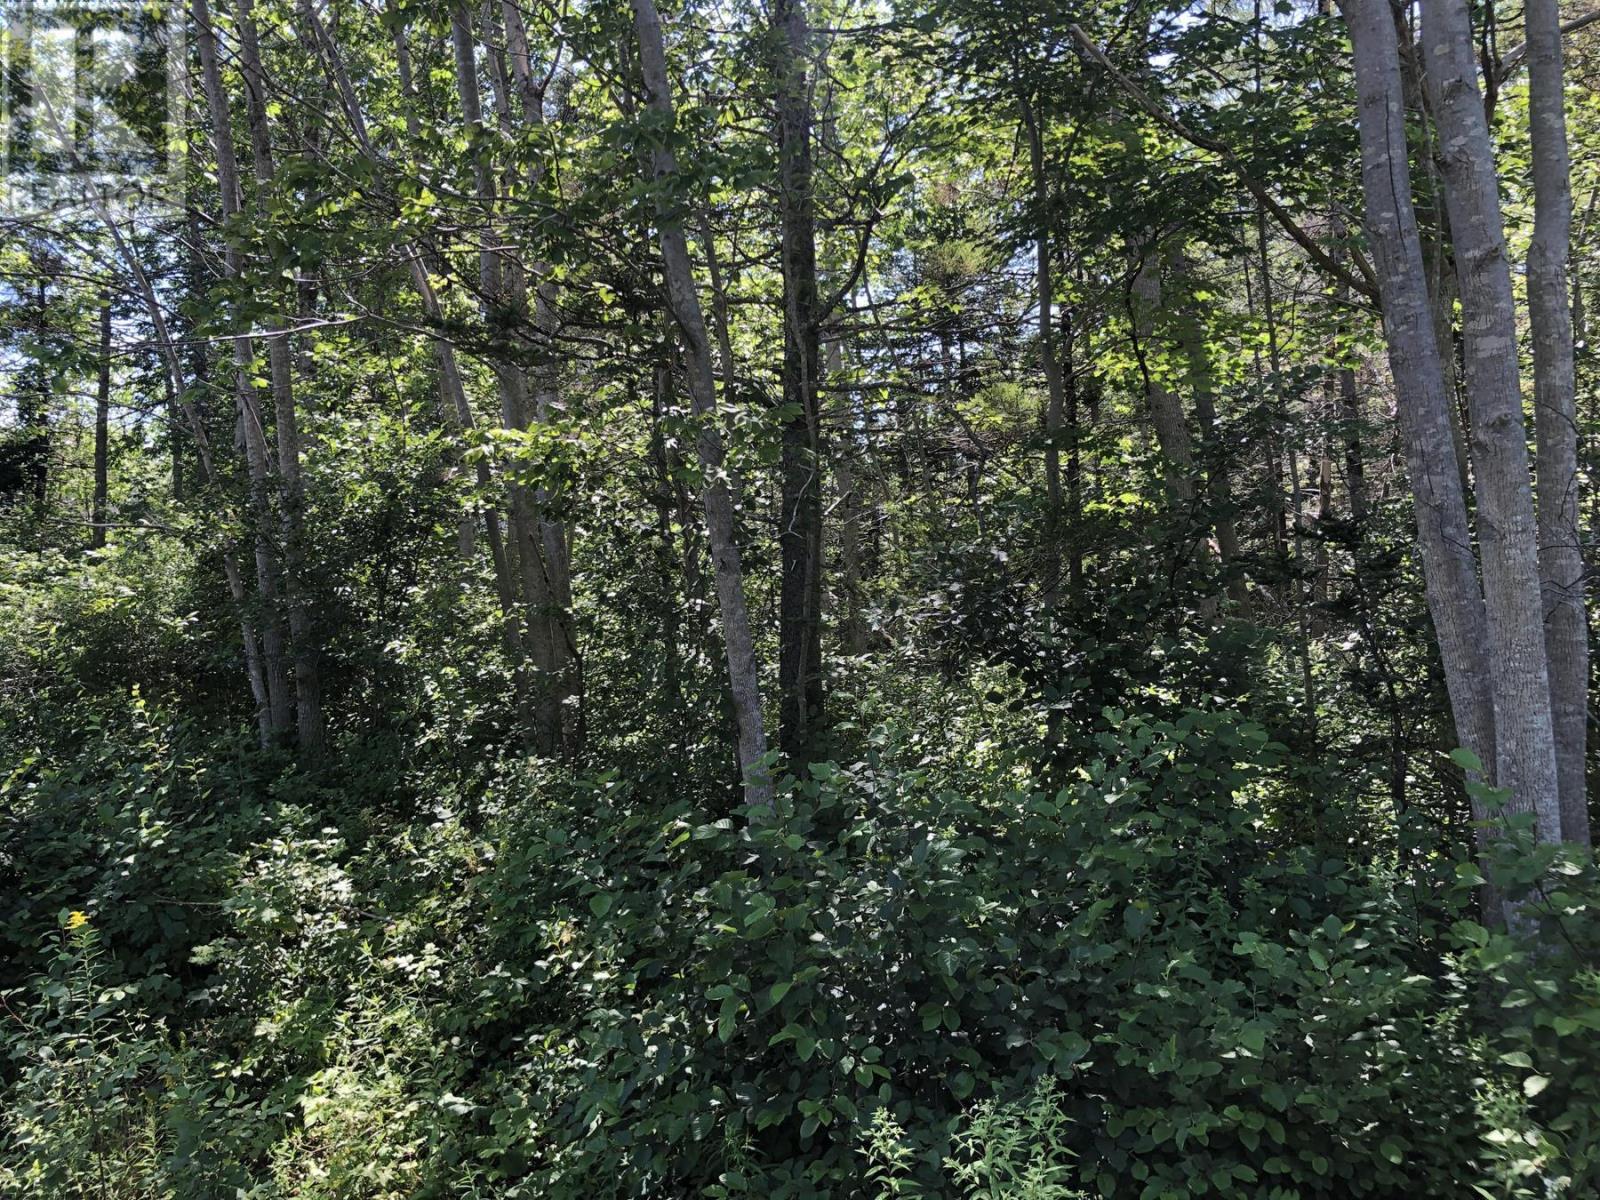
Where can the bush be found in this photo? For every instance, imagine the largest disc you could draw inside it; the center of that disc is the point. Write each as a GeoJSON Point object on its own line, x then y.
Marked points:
{"type": "Point", "coordinates": [1231, 1016]}
{"type": "Point", "coordinates": [924, 972]}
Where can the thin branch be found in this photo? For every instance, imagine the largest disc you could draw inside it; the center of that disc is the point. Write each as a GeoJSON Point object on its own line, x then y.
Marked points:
{"type": "Point", "coordinates": [1366, 285]}
{"type": "Point", "coordinates": [1514, 58]}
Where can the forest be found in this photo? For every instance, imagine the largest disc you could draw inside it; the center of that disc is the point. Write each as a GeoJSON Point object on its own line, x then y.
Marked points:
{"type": "Point", "coordinates": [899, 599]}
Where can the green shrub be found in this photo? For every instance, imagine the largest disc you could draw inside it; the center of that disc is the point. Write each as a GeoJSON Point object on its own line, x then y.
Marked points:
{"type": "Point", "coordinates": [925, 972]}
{"type": "Point", "coordinates": [692, 1003]}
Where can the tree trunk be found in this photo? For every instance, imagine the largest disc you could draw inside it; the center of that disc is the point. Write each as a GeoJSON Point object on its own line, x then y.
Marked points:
{"type": "Point", "coordinates": [668, 558]}
{"type": "Point", "coordinates": [743, 679]}
{"type": "Point", "coordinates": [1166, 410]}
{"type": "Point", "coordinates": [1444, 539]}
{"type": "Point", "coordinates": [1433, 228]}
{"type": "Point", "coordinates": [1561, 567]}
{"type": "Point", "coordinates": [1348, 409]}
{"type": "Point", "coordinates": [1200, 379]}
{"type": "Point", "coordinates": [1074, 451]}
{"type": "Point", "coordinates": [1055, 398]}
{"type": "Point", "coordinates": [503, 285]}
{"type": "Point", "coordinates": [719, 308]}
{"type": "Point", "coordinates": [252, 433]}
{"type": "Point", "coordinates": [102, 432]}
{"type": "Point", "coordinates": [800, 681]}
{"type": "Point", "coordinates": [291, 492]}
{"type": "Point", "coordinates": [852, 633]}
{"type": "Point", "coordinates": [455, 409]}
{"type": "Point", "coordinates": [545, 378]}
{"type": "Point", "coordinates": [1507, 531]}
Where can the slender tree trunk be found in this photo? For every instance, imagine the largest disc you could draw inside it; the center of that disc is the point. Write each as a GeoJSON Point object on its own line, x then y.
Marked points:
{"type": "Point", "coordinates": [1444, 538]}
{"type": "Point", "coordinates": [174, 436]}
{"type": "Point", "coordinates": [852, 634]}
{"type": "Point", "coordinates": [1271, 442]}
{"type": "Point", "coordinates": [545, 378]}
{"type": "Point", "coordinates": [800, 681]}
{"type": "Point", "coordinates": [102, 432]}
{"type": "Point", "coordinates": [1294, 511]}
{"type": "Point", "coordinates": [1166, 411]}
{"type": "Point", "coordinates": [1322, 585]}
{"type": "Point", "coordinates": [455, 408]}
{"type": "Point", "coordinates": [1347, 412]}
{"type": "Point", "coordinates": [1201, 382]}
{"type": "Point", "coordinates": [743, 679]}
{"type": "Point", "coordinates": [1561, 567]}
{"type": "Point", "coordinates": [251, 429]}
{"type": "Point", "coordinates": [1433, 227]}
{"type": "Point", "coordinates": [1069, 337]}
{"type": "Point", "coordinates": [286, 424]}
{"type": "Point", "coordinates": [1055, 391]}
{"type": "Point", "coordinates": [1507, 530]}
{"type": "Point", "coordinates": [1355, 466]}
{"type": "Point", "coordinates": [504, 288]}
{"type": "Point", "coordinates": [719, 308]}
{"type": "Point", "coordinates": [667, 553]}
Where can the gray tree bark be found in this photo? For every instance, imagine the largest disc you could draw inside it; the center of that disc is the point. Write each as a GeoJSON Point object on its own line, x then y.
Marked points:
{"type": "Point", "coordinates": [1507, 530]}
{"type": "Point", "coordinates": [1444, 539]}
{"type": "Point", "coordinates": [178, 390]}
{"type": "Point", "coordinates": [455, 408]}
{"type": "Point", "coordinates": [503, 284]}
{"type": "Point", "coordinates": [102, 432]}
{"type": "Point", "coordinates": [743, 679]}
{"type": "Point", "coordinates": [545, 380]}
{"type": "Point", "coordinates": [852, 631]}
{"type": "Point", "coordinates": [1166, 409]}
{"type": "Point", "coordinates": [1055, 388]}
{"type": "Point", "coordinates": [1555, 422]}
{"type": "Point", "coordinates": [309, 730]}
{"type": "Point", "coordinates": [252, 432]}
{"type": "Point", "coordinates": [1200, 379]}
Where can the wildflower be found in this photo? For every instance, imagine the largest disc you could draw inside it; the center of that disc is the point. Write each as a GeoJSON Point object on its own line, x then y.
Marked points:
{"type": "Point", "coordinates": [77, 919]}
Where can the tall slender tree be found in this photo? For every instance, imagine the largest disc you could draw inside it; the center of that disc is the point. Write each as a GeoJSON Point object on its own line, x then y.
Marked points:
{"type": "Point", "coordinates": [800, 681]}
{"type": "Point", "coordinates": [1555, 422]}
{"type": "Point", "coordinates": [684, 300]}
{"type": "Point", "coordinates": [1444, 538]}
{"type": "Point", "coordinates": [1525, 756]}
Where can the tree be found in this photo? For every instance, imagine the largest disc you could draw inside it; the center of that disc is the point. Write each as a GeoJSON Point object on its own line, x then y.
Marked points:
{"type": "Point", "coordinates": [1561, 565]}
{"type": "Point", "coordinates": [683, 298]}
{"type": "Point", "coordinates": [1525, 758]}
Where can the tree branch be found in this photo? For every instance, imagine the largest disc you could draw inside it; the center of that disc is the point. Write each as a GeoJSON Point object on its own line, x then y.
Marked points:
{"type": "Point", "coordinates": [1366, 285]}
{"type": "Point", "coordinates": [1513, 58]}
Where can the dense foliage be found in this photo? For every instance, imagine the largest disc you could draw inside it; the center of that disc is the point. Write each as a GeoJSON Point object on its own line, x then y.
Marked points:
{"type": "Point", "coordinates": [378, 815]}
